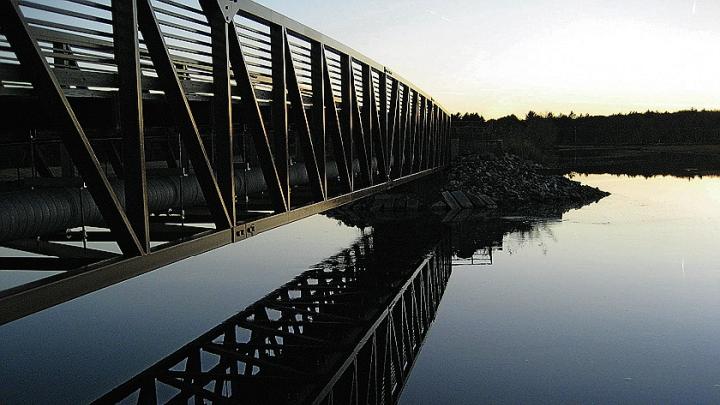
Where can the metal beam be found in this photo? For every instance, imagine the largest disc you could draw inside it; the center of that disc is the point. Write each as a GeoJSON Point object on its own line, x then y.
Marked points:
{"type": "Point", "coordinates": [318, 110]}
{"type": "Point", "coordinates": [57, 249]}
{"type": "Point", "coordinates": [359, 138]}
{"type": "Point", "coordinates": [302, 126]}
{"type": "Point", "coordinates": [175, 95]}
{"type": "Point", "coordinates": [377, 135]}
{"type": "Point", "coordinates": [127, 58]}
{"type": "Point", "coordinates": [399, 146]}
{"type": "Point", "coordinates": [367, 115]}
{"type": "Point", "coordinates": [73, 135]}
{"type": "Point", "coordinates": [393, 126]}
{"type": "Point", "coordinates": [346, 117]}
{"type": "Point", "coordinates": [251, 114]}
{"type": "Point", "coordinates": [33, 297]}
{"type": "Point", "coordinates": [335, 129]}
{"type": "Point", "coordinates": [222, 101]}
{"type": "Point", "coordinates": [279, 108]}
{"type": "Point", "coordinates": [383, 113]}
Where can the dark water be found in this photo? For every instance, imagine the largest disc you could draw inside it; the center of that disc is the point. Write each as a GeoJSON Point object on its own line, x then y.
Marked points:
{"type": "Point", "coordinates": [614, 302]}
{"type": "Point", "coordinates": [619, 302]}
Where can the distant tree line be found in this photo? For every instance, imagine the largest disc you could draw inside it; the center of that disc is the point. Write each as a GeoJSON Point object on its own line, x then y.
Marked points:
{"type": "Point", "coordinates": [544, 131]}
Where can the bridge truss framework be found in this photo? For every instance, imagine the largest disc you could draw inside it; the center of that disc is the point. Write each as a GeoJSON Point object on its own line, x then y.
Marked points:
{"type": "Point", "coordinates": [299, 96]}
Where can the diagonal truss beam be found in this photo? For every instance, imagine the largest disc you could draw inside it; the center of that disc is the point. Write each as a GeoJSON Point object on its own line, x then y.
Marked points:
{"type": "Point", "coordinates": [393, 126]}
{"type": "Point", "coordinates": [377, 133]}
{"type": "Point", "coordinates": [335, 130]}
{"type": "Point", "coordinates": [250, 111]}
{"type": "Point", "coordinates": [318, 110]}
{"type": "Point", "coordinates": [301, 123]}
{"type": "Point", "coordinates": [383, 117]}
{"type": "Point", "coordinates": [358, 132]}
{"type": "Point", "coordinates": [367, 115]}
{"type": "Point", "coordinates": [415, 119]}
{"type": "Point", "coordinates": [73, 135]}
{"type": "Point", "coordinates": [401, 134]}
{"type": "Point", "coordinates": [182, 113]}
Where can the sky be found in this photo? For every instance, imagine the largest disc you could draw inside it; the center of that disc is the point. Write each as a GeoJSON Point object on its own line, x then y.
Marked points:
{"type": "Point", "coordinates": [509, 57]}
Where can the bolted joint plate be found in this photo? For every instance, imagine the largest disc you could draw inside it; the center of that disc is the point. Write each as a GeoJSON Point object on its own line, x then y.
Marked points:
{"type": "Point", "coordinates": [229, 8]}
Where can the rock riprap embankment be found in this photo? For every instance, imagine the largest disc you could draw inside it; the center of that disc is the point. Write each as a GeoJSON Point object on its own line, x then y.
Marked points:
{"type": "Point", "coordinates": [514, 183]}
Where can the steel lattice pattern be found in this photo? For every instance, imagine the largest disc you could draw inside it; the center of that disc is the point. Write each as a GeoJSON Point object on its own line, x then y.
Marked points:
{"type": "Point", "coordinates": [346, 331]}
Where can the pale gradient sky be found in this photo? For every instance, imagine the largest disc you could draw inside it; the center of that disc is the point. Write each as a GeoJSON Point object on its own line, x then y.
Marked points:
{"type": "Point", "coordinates": [508, 57]}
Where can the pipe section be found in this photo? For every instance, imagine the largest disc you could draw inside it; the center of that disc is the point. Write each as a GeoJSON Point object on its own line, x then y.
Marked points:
{"type": "Point", "coordinates": [31, 213]}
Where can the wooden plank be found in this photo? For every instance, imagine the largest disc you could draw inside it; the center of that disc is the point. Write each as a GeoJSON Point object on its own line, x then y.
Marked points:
{"type": "Point", "coordinates": [450, 201]}
{"type": "Point", "coordinates": [462, 199]}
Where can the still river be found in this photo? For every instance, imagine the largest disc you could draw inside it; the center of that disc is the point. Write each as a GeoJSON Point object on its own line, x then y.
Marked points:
{"type": "Point", "coordinates": [618, 301]}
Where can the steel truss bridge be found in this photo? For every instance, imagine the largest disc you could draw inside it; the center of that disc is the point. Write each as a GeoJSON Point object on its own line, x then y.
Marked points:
{"type": "Point", "coordinates": [347, 331]}
{"type": "Point", "coordinates": [136, 133]}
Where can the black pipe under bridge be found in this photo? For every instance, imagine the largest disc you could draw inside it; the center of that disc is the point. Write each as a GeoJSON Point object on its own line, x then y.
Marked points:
{"type": "Point", "coordinates": [347, 331]}
{"type": "Point", "coordinates": [137, 133]}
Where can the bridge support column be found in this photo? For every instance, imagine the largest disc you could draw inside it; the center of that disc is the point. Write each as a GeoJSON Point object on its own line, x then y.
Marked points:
{"type": "Point", "coordinates": [127, 58]}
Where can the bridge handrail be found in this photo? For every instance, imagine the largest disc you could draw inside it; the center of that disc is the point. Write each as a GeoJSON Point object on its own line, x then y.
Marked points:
{"type": "Point", "coordinates": [76, 35]}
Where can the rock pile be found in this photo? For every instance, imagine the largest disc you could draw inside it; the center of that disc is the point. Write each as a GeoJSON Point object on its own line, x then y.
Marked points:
{"type": "Point", "coordinates": [513, 183]}
{"type": "Point", "coordinates": [477, 185]}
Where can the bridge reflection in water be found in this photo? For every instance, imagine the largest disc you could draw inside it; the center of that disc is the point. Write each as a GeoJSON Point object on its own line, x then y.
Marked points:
{"type": "Point", "coordinates": [346, 331]}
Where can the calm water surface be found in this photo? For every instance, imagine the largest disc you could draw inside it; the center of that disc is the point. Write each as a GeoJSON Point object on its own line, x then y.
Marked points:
{"type": "Point", "coordinates": [619, 302]}
{"type": "Point", "coordinates": [615, 302]}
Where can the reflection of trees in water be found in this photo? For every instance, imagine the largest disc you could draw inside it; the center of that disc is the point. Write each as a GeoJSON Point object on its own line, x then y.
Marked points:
{"type": "Point", "coordinates": [635, 162]}
{"type": "Point", "coordinates": [473, 239]}
{"type": "Point", "coordinates": [487, 234]}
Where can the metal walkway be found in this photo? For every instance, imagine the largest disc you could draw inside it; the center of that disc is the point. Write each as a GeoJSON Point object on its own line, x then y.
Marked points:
{"type": "Point", "coordinates": [137, 133]}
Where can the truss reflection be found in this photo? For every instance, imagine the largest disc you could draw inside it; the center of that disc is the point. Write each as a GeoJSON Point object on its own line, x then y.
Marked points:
{"type": "Point", "coordinates": [346, 331]}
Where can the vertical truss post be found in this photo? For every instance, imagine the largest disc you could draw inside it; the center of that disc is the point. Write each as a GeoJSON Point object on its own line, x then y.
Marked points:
{"type": "Point", "coordinates": [402, 132]}
{"type": "Point", "coordinates": [318, 109]}
{"type": "Point", "coordinates": [440, 124]}
{"type": "Point", "coordinates": [436, 136]}
{"type": "Point", "coordinates": [301, 124]}
{"type": "Point", "coordinates": [346, 116]}
{"type": "Point", "coordinates": [180, 107]}
{"type": "Point", "coordinates": [250, 111]}
{"type": "Point", "coordinates": [441, 137]}
{"type": "Point", "coordinates": [413, 131]}
{"type": "Point", "coordinates": [429, 135]}
{"type": "Point", "coordinates": [422, 129]}
{"type": "Point", "coordinates": [440, 132]}
{"type": "Point", "coordinates": [384, 121]}
{"type": "Point", "coordinates": [73, 136]}
{"type": "Point", "coordinates": [222, 105]}
{"type": "Point", "coordinates": [279, 108]}
{"type": "Point", "coordinates": [332, 117]}
{"type": "Point", "coordinates": [377, 134]}
{"type": "Point", "coordinates": [367, 114]}
{"type": "Point", "coordinates": [393, 126]}
{"type": "Point", "coordinates": [448, 129]}
{"type": "Point", "coordinates": [359, 133]}
{"type": "Point", "coordinates": [127, 58]}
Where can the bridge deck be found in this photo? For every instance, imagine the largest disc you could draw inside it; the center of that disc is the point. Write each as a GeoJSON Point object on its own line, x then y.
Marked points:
{"type": "Point", "coordinates": [138, 133]}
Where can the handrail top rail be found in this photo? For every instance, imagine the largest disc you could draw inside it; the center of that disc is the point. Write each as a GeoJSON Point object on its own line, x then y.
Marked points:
{"type": "Point", "coordinates": [255, 11]}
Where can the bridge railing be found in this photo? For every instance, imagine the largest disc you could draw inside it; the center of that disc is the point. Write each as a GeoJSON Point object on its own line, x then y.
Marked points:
{"type": "Point", "coordinates": [259, 120]}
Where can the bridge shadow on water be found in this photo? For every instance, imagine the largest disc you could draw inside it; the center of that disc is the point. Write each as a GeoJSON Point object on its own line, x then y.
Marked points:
{"type": "Point", "coordinates": [347, 330]}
